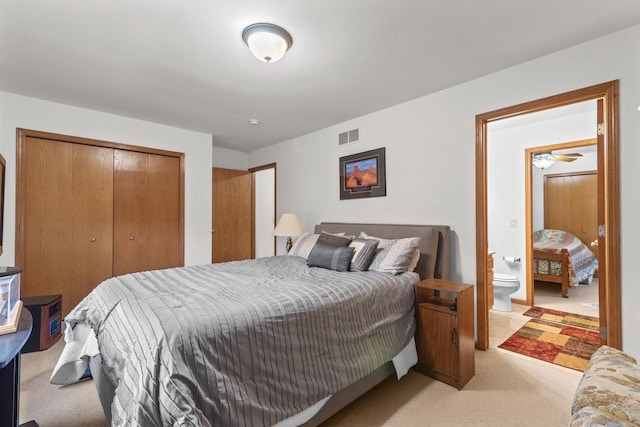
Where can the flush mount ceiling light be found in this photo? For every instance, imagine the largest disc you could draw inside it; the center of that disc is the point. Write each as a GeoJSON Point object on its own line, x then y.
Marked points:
{"type": "Point", "coordinates": [267, 42]}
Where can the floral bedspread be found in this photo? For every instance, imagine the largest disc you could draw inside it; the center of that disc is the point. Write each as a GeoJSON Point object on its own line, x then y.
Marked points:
{"type": "Point", "coordinates": [582, 262]}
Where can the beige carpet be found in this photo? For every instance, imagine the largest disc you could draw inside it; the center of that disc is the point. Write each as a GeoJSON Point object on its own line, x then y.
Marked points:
{"type": "Point", "coordinates": [508, 390]}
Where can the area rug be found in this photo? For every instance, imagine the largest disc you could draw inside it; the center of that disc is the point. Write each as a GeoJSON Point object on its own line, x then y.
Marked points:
{"type": "Point", "coordinates": [554, 337]}
{"type": "Point", "coordinates": [579, 320]}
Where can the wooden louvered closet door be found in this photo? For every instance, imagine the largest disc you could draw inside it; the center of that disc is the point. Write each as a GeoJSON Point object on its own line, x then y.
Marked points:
{"type": "Point", "coordinates": [68, 219]}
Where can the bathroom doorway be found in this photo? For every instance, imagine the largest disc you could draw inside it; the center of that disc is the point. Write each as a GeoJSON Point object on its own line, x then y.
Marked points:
{"type": "Point", "coordinates": [609, 297]}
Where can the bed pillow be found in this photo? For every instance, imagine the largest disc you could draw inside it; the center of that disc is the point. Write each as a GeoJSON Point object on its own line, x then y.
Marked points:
{"type": "Point", "coordinates": [364, 251]}
{"type": "Point", "coordinates": [333, 240]}
{"type": "Point", "coordinates": [342, 233]}
{"type": "Point", "coordinates": [396, 255]}
{"type": "Point", "coordinates": [306, 241]}
{"type": "Point", "coordinates": [336, 258]}
{"type": "Point", "coordinates": [303, 244]}
{"type": "Point", "coordinates": [382, 243]}
{"type": "Point", "coordinates": [414, 259]}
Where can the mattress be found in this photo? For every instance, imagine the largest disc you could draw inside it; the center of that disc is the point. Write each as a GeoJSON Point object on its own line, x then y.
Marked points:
{"type": "Point", "coordinates": [242, 343]}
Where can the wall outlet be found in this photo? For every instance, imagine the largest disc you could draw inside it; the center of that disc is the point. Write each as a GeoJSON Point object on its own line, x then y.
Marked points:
{"type": "Point", "coordinates": [513, 222]}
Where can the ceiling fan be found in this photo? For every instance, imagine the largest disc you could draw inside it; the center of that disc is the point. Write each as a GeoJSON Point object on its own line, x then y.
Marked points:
{"type": "Point", "coordinates": [547, 158]}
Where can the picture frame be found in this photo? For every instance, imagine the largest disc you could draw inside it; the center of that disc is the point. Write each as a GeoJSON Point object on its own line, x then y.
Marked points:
{"type": "Point", "coordinates": [363, 175]}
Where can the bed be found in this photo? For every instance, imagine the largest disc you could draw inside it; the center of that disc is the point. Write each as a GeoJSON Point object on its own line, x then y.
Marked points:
{"type": "Point", "coordinates": [560, 257]}
{"type": "Point", "coordinates": [259, 342]}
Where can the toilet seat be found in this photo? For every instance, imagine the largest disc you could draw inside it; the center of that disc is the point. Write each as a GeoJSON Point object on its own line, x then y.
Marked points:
{"type": "Point", "coordinates": [503, 286]}
{"type": "Point", "coordinates": [505, 278]}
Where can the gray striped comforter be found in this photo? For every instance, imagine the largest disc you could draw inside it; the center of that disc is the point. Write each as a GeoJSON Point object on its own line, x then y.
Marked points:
{"type": "Point", "coordinates": [242, 343]}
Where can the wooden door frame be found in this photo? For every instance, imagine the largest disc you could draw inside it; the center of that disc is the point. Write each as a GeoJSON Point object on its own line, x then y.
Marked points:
{"type": "Point", "coordinates": [253, 170]}
{"type": "Point", "coordinates": [21, 140]}
{"type": "Point", "coordinates": [609, 145]}
{"type": "Point", "coordinates": [528, 162]}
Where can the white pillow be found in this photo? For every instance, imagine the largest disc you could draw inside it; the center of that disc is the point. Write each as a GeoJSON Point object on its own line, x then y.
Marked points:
{"type": "Point", "coordinates": [396, 255]}
{"type": "Point", "coordinates": [414, 260]}
{"type": "Point", "coordinates": [303, 245]}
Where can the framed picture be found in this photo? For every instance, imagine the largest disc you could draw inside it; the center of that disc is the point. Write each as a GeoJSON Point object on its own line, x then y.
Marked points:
{"type": "Point", "coordinates": [363, 175]}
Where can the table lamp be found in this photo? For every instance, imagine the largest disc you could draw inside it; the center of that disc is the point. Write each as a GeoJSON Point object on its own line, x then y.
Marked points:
{"type": "Point", "coordinates": [288, 226]}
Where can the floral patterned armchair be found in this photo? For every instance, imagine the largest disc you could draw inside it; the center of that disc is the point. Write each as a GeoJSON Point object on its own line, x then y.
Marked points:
{"type": "Point", "coordinates": [609, 392]}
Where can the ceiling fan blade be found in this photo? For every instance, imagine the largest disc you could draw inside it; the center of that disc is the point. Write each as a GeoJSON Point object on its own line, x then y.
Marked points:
{"type": "Point", "coordinates": [570, 154]}
{"type": "Point", "coordinates": [564, 158]}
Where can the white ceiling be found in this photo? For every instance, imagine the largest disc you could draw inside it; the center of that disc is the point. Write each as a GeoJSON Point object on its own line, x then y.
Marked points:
{"type": "Point", "coordinates": [183, 63]}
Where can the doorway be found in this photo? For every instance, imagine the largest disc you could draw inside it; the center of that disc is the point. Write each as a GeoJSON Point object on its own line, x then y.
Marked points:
{"type": "Point", "coordinates": [564, 196]}
{"type": "Point", "coordinates": [608, 205]}
{"type": "Point", "coordinates": [264, 210]}
{"type": "Point", "coordinates": [243, 213]}
{"type": "Point", "coordinates": [231, 221]}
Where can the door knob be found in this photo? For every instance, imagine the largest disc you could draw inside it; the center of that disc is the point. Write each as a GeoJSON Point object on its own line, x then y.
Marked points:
{"type": "Point", "coordinates": [93, 240]}
{"type": "Point", "coordinates": [131, 237]}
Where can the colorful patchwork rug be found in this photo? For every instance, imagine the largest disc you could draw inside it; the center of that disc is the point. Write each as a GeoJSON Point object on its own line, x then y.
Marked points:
{"type": "Point", "coordinates": [586, 322]}
{"type": "Point", "coordinates": [557, 337]}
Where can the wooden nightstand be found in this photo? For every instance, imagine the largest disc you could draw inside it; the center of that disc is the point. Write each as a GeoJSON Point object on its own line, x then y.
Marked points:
{"type": "Point", "coordinates": [444, 334]}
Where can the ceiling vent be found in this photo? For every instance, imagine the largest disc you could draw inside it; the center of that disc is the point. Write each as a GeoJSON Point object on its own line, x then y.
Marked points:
{"type": "Point", "coordinates": [349, 137]}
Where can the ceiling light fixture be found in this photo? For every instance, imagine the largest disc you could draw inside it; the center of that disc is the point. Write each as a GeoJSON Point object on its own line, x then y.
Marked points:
{"type": "Point", "coordinates": [254, 122]}
{"type": "Point", "coordinates": [542, 160]}
{"type": "Point", "coordinates": [267, 42]}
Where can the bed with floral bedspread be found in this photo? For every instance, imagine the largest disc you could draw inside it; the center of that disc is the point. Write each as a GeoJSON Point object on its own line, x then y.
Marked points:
{"type": "Point", "coordinates": [560, 257]}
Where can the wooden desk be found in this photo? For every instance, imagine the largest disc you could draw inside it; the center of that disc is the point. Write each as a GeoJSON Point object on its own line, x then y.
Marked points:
{"type": "Point", "coordinates": [10, 346]}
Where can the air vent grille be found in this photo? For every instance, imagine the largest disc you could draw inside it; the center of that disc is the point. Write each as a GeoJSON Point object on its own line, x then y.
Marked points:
{"type": "Point", "coordinates": [349, 137]}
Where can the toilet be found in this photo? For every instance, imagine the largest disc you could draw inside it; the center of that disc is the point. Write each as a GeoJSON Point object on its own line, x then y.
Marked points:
{"type": "Point", "coordinates": [503, 286]}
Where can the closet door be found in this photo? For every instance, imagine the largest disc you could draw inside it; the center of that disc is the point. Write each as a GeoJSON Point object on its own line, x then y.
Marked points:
{"type": "Point", "coordinates": [164, 236]}
{"type": "Point", "coordinates": [147, 232]}
{"type": "Point", "coordinates": [571, 204]}
{"type": "Point", "coordinates": [67, 219]}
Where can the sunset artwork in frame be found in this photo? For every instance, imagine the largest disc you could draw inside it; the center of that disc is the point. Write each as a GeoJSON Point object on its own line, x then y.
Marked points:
{"type": "Point", "coordinates": [363, 175]}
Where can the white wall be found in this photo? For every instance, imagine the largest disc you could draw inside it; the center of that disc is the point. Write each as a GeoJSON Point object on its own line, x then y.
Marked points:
{"type": "Point", "coordinates": [30, 113]}
{"type": "Point", "coordinates": [265, 221]}
{"type": "Point", "coordinates": [506, 183]}
{"type": "Point", "coordinates": [430, 144]}
{"type": "Point", "coordinates": [230, 159]}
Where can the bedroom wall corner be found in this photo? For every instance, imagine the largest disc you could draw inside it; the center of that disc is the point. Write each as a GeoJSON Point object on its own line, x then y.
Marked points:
{"type": "Point", "coordinates": [229, 159]}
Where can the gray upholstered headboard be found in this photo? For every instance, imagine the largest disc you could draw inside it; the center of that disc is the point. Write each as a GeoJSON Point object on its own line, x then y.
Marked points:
{"type": "Point", "coordinates": [435, 256]}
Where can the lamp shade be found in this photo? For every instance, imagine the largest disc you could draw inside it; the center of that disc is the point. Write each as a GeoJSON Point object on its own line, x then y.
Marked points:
{"type": "Point", "coordinates": [267, 42]}
{"type": "Point", "coordinates": [288, 225]}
